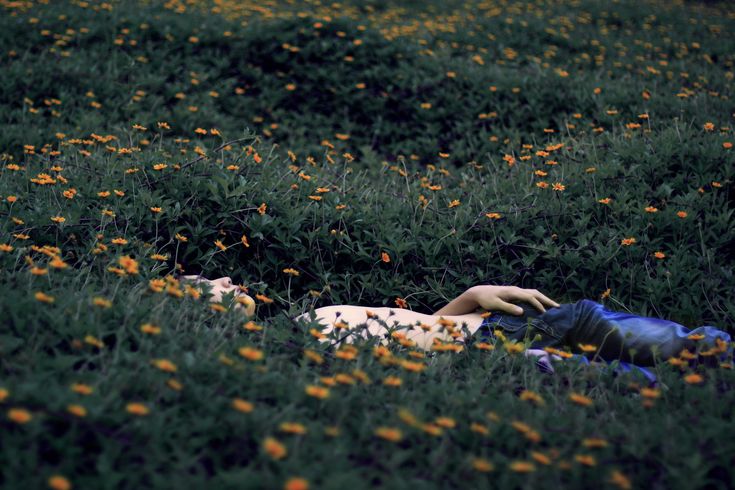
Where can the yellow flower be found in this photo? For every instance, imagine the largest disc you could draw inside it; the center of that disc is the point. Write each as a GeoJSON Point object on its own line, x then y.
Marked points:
{"type": "Point", "coordinates": [151, 329]}
{"type": "Point", "coordinates": [250, 353]}
{"type": "Point", "coordinates": [446, 422]}
{"type": "Point", "coordinates": [585, 459]}
{"type": "Point", "coordinates": [580, 399]}
{"type": "Point", "coordinates": [292, 428]}
{"type": "Point", "coordinates": [220, 245]}
{"type": "Point", "coordinates": [129, 264]}
{"type": "Point", "coordinates": [137, 409]}
{"type": "Point", "coordinates": [101, 302]}
{"type": "Point", "coordinates": [392, 381]}
{"type": "Point", "coordinates": [389, 433]}
{"type": "Point", "coordinates": [317, 391]}
{"type": "Point", "coordinates": [296, 483]}
{"type": "Point", "coordinates": [313, 356]}
{"type": "Point", "coordinates": [479, 428]}
{"type": "Point", "coordinates": [274, 448]}
{"type": "Point", "coordinates": [540, 458]}
{"type": "Point", "coordinates": [3, 394]}
{"type": "Point", "coordinates": [76, 410]}
{"type": "Point", "coordinates": [242, 405]}
{"type": "Point", "coordinates": [43, 297]}
{"type": "Point", "coordinates": [58, 219]}
{"type": "Point", "coordinates": [174, 384]}
{"type": "Point", "coordinates": [19, 415]}
{"type": "Point", "coordinates": [594, 442]}
{"type": "Point", "coordinates": [693, 378]}
{"type": "Point", "coordinates": [619, 479]}
{"type": "Point", "coordinates": [290, 271]}
{"type": "Point", "coordinates": [59, 482]}
{"type": "Point", "coordinates": [522, 467]}
{"type": "Point", "coordinates": [164, 365]}
{"type": "Point", "coordinates": [513, 347]}
{"type": "Point", "coordinates": [483, 465]}
{"type": "Point", "coordinates": [119, 241]}
{"type": "Point", "coordinates": [587, 347]}
{"type": "Point", "coordinates": [532, 396]}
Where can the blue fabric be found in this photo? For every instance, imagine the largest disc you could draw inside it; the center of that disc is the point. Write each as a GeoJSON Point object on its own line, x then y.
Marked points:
{"type": "Point", "coordinates": [631, 340]}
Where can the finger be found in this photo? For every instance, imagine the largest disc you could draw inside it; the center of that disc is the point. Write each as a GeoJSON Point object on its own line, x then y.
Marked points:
{"type": "Point", "coordinates": [536, 304]}
{"type": "Point", "coordinates": [545, 298]}
{"type": "Point", "coordinates": [510, 308]}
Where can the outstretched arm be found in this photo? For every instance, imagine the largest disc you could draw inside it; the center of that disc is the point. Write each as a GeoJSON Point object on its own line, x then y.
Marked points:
{"type": "Point", "coordinates": [496, 298]}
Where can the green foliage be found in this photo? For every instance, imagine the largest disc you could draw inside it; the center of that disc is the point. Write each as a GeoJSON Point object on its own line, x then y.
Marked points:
{"type": "Point", "coordinates": [346, 175]}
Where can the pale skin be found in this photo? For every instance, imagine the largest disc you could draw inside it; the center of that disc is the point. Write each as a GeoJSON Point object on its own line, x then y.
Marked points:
{"type": "Point", "coordinates": [463, 311]}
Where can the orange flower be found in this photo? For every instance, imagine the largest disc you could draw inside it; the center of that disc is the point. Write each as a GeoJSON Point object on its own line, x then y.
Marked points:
{"type": "Point", "coordinates": [401, 303]}
{"type": "Point", "coordinates": [137, 409]}
{"type": "Point", "coordinates": [81, 388]}
{"type": "Point", "coordinates": [262, 208]}
{"type": "Point", "coordinates": [19, 415]}
{"type": "Point", "coordinates": [619, 479]}
{"type": "Point", "coordinates": [263, 298]}
{"type": "Point", "coordinates": [585, 459]}
{"type": "Point", "coordinates": [150, 329]}
{"type": "Point", "coordinates": [594, 442]}
{"type": "Point", "coordinates": [522, 467]}
{"type": "Point", "coordinates": [59, 482]}
{"type": "Point", "coordinates": [693, 378]}
{"type": "Point", "coordinates": [580, 399]}
{"type": "Point", "coordinates": [292, 428]}
{"type": "Point", "coordinates": [274, 448]}
{"type": "Point", "coordinates": [164, 365]}
{"type": "Point", "coordinates": [540, 458]}
{"type": "Point", "coordinates": [242, 405]}
{"type": "Point", "coordinates": [76, 410]}
{"type": "Point", "coordinates": [389, 433]}
{"type": "Point", "coordinates": [251, 353]}
{"type": "Point", "coordinates": [43, 297]}
{"type": "Point", "coordinates": [483, 465]}
{"type": "Point", "coordinates": [296, 483]}
{"type": "Point", "coordinates": [317, 391]}
{"type": "Point", "coordinates": [385, 257]}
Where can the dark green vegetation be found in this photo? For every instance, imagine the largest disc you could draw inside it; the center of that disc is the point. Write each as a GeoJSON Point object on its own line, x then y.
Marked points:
{"type": "Point", "coordinates": [582, 149]}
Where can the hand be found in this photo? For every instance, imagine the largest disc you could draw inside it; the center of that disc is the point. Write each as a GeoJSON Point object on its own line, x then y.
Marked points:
{"type": "Point", "coordinates": [499, 298]}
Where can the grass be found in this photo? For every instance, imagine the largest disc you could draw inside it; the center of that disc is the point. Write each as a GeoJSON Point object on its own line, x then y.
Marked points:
{"type": "Point", "coordinates": [579, 148]}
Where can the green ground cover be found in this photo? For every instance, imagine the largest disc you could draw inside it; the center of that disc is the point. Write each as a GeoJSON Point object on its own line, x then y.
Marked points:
{"type": "Point", "coordinates": [357, 153]}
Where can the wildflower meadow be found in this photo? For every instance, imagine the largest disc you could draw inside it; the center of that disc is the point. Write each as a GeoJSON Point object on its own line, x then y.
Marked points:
{"type": "Point", "coordinates": [369, 153]}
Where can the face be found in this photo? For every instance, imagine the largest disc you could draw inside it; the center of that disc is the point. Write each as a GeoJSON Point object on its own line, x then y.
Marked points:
{"type": "Point", "coordinates": [223, 286]}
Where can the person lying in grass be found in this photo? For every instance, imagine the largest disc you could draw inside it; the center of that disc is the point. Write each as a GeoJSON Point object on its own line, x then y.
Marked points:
{"type": "Point", "coordinates": [486, 311]}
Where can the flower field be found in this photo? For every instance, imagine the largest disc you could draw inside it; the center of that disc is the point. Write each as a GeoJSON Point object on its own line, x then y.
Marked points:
{"type": "Point", "coordinates": [367, 153]}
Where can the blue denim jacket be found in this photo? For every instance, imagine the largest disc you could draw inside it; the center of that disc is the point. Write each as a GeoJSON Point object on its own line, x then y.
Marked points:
{"type": "Point", "coordinates": [622, 337]}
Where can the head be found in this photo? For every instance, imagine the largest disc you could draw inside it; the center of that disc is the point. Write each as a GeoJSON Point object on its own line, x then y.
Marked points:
{"type": "Point", "coordinates": [222, 286]}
